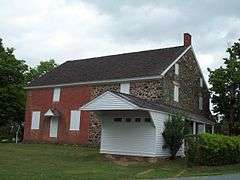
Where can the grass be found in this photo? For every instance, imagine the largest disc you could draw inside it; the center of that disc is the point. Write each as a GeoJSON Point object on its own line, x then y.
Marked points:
{"type": "Point", "coordinates": [44, 161]}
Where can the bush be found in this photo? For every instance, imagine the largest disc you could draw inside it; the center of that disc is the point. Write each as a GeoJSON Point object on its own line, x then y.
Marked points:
{"type": "Point", "coordinates": [212, 149]}
{"type": "Point", "coordinates": [174, 133]}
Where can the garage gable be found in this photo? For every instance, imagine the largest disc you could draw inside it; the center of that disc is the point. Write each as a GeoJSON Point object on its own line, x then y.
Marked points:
{"type": "Point", "coordinates": [109, 101]}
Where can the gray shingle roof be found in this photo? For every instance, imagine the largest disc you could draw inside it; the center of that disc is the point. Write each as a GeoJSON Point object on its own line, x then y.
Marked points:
{"type": "Point", "coordinates": [147, 104]}
{"type": "Point", "coordinates": [121, 66]}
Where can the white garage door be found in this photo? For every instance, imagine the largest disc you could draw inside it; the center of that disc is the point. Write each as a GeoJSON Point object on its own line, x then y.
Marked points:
{"type": "Point", "coordinates": [128, 136]}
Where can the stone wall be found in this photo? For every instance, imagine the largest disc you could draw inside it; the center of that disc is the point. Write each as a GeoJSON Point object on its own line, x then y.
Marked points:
{"type": "Point", "coordinates": [94, 125]}
{"type": "Point", "coordinates": [161, 90]}
{"type": "Point", "coordinates": [148, 89]}
{"type": "Point", "coordinates": [189, 83]}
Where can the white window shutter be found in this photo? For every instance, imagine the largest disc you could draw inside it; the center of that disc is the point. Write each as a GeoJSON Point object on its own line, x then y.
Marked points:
{"type": "Point", "coordinates": [35, 119]}
{"type": "Point", "coordinates": [56, 94]}
{"type": "Point", "coordinates": [75, 120]}
{"type": "Point", "coordinates": [177, 69]}
{"type": "Point", "coordinates": [200, 101]}
{"type": "Point", "coordinates": [201, 82]}
{"type": "Point", "coordinates": [125, 88]}
{"type": "Point", "coordinates": [176, 93]}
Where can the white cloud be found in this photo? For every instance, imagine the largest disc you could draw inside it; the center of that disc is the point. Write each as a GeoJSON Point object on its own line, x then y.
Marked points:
{"type": "Point", "coordinates": [73, 29]}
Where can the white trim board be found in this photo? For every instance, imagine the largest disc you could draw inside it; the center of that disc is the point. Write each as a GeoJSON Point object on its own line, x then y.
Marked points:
{"type": "Point", "coordinates": [200, 68]}
{"type": "Point", "coordinates": [96, 82]}
{"type": "Point", "coordinates": [176, 60]}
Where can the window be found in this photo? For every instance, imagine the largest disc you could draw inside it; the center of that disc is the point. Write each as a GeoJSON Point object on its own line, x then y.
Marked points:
{"type": "Point", "coordinates": [117, 119]}
{"type": "Point", "coordinates": [201, 82]}
{"type": "Point", "coordinates": [177, 69]}
{"type": "Point", "coordinates": [56, 94]}
{"type": "Point", "coordinates": [125, 88]}
{"type": "Point", "coordinates": [137, 119]}
{"type": "Point", "coordinates": [128, 119]}
{"type": "Point", "coordinates": [147, 119]}
{"type": "Point", "coordinates": [200, 128]}
{"type": "Point", "coordinates": [75, 120]}
{"type": "Point", "coordinates": [200, 101]}
{"type": "Point", "coordinates": [176, 93]}
{"type": "Point", "coordinates": [35, 120]}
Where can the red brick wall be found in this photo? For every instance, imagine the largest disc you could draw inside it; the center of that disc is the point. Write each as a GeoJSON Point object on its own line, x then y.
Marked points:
{"type": "Point", "coordinates": [71, 98]}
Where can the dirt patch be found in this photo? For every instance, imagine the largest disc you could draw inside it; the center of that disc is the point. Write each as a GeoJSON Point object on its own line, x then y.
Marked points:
{"type": "Point", "coordinates": [125, 163]}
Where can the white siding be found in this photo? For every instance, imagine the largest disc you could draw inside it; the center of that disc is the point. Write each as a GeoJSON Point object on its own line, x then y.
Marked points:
{"type": "Point", "coordinates": [125, 88]}
{"type": "Point", "coordinates": [159, 119]}
{"type": "Point", "coordinates": [35, 119]}
{"type": "Point", "coordinates": [56, 94]}
{"type": "Point", "coordinates": [109, 101]}
{"type": "Point", "coordinates": [75, 120]}
{"type": "Point", "coordinates": [127, 138]}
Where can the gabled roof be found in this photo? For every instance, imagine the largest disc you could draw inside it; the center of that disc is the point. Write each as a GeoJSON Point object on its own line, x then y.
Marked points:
{"type": "Point", "coordinates": [139, 104]}
{"type": "Point", "coordinates": [122, 66]}
{"type": "Point", "coordinates": [52, 113]}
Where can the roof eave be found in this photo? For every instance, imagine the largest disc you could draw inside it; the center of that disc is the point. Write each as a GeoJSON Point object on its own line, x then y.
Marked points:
{"type": "Point", "coordinates": [96, 82]}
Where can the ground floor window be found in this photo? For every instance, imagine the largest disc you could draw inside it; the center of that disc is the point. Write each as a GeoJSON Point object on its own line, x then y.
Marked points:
{"type": "Point", "coordinates": [75, 120]}
{"type": "Point", "coordinates": [35, 119]}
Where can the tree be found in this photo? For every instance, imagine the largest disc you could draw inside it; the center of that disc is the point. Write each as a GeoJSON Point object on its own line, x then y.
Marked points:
{"type": "Point", "coordinates": [12, 81]}
{"type": "Point", "coordinates": [42, 68]}
{"type": "Point", "coordinates": [225, 90]}
{"type": "Point", "coordinates": [174, 133]}
{"type": "Point", "coordinates": [14, 76]}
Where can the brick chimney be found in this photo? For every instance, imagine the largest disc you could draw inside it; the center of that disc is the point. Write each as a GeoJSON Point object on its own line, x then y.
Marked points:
{"type": "Point", "coordinates": [187, 39]}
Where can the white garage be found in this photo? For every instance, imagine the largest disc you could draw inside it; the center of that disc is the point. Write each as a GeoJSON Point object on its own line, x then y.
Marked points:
{"type": "Point", "coordinates": [130, 125]}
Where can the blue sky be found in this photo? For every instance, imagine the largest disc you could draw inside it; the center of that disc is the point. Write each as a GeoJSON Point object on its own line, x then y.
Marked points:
{"type": "Point", "coordinates": [74, 29]}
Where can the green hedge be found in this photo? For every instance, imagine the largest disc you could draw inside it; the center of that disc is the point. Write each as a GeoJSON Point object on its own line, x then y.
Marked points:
{"type": "Point", "coordinates": [212, 149]}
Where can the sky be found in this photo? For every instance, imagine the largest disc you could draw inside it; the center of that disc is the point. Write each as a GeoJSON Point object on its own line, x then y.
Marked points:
{"type": "Point", "coordinates": [76, 29]}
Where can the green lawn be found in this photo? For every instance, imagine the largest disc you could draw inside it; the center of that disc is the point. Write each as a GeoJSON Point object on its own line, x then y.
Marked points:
{"type": "Point", "coordinates": [42, 161]}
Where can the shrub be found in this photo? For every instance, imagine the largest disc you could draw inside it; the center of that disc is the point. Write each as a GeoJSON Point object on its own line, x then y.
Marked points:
{"type": "Point", "coordinates": [174, 133]}
{"type": "Point", "coordinates": [212, 149]}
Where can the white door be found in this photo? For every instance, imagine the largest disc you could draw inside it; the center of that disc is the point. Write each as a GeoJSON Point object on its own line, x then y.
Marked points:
{"type": "Point", "coordinates": [53, 127]}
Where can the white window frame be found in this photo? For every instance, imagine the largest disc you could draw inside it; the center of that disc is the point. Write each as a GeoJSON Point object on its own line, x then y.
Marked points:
{"type": "Point", "coordinates": [125, 88]}
{"type": "Point", "coordinates": [56, 94]}
{"type": "Point", "coordinates": [176, 93]}
{"type": "Point", "coordinates": [200, 102]}
{"type": "Point", "coordinates": [35, 122]}
{"type": "Point", "coordinates": [176, 69]}
{"type": "Point", "coordinates": [201, 82]}
{"type": "Point", "coordinates": [75, 120]}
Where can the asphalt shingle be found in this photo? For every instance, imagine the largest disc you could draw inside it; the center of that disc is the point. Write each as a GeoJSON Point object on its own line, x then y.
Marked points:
{"type": "Point", "coordinates": [121, 66]}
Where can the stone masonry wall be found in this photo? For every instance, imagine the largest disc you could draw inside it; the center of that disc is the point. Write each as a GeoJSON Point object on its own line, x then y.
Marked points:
{"type": "Point", "coordinates": [160, 90]}
{"type": "Point", "coordinates": [189, 83]}
{"type": "Point", "coordinates": [94, 125]}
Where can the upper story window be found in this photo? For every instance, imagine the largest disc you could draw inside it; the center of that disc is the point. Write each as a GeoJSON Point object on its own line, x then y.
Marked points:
{"type": "Point", "coordinates": [201, 82]}
{"type": "Point", "coordinates": [125, 88]}
{"type": "Point", "coordinates": [56, 94]}
{"type": "Point", "coordinates": [177, 69]}
{"type": "Point", "coordinates": [176, 93]}
{"type": "Point", "coordinates": [35, 119]}
{"type": "Point", "coordinates": [75, 120]}
{"type": "Point", "coordinates": [200, 103]}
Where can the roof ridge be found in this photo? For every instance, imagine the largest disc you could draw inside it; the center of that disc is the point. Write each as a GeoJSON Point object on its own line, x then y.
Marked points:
{"type": "Point", "coordinates": [126, 53]}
